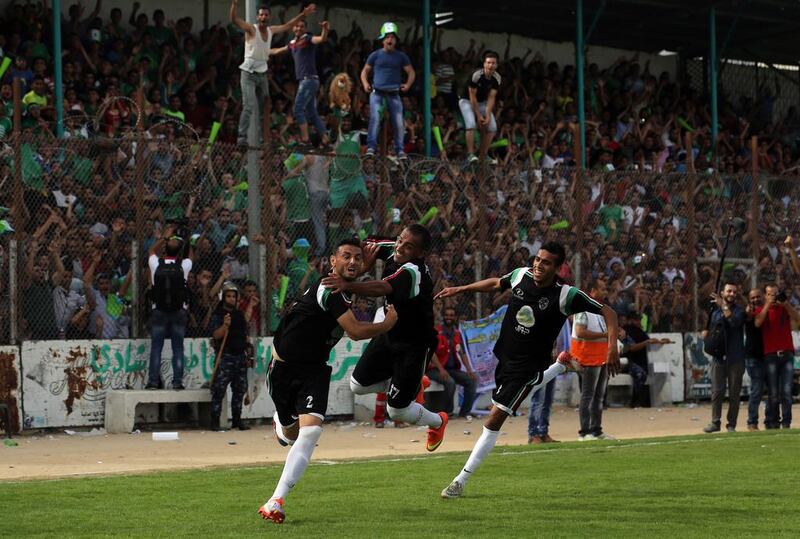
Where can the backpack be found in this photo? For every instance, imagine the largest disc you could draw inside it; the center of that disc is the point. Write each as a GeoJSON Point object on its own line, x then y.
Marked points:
{"type": "Point", "coordinates": [169, 287]}
{"type": "Point", "coordinates": [715, 344]}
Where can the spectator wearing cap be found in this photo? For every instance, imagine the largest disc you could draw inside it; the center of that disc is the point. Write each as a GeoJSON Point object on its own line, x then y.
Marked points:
{"type": "Point", "coordinates": [775, 321]}
{"type": "Point", "coordinates": [386, 65]}
{"type": "Point", "coordinates": [300, 270]}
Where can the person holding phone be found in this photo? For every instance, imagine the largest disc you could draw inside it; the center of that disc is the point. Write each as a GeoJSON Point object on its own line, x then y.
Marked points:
{"type": "Point", "coordinates": [775, 321]}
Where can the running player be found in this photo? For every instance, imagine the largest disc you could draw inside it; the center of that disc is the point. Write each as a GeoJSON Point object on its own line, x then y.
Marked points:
{"type": "Point", "coordinates": [299, 375]}
{"type": "Point", "coordinates": [395, 362]}
{"type": "Point", "coordinates": [537, 311]}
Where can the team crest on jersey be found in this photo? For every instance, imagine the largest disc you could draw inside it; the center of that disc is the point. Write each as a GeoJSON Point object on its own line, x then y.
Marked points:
{"type": "Point", "coordinates": [525, 317]}
{"type": "Point", "coordinates": [543, 303]}
{"type": "Point", "coordinates": [518, 292]}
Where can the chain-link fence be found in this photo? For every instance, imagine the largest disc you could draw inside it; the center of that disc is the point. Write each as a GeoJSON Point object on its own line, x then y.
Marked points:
{"type": "Point", "coordinates": [81, 216]}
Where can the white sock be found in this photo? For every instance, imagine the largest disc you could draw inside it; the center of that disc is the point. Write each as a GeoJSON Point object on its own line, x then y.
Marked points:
{"type": "Point", "coordinates": [416, 414]}
{"type": "Point", "coordinates": [297, 460]}
{"type": "Point", "coordinates": [552, 371]}
{"type": "Point", "coordinates": [482, 448]}
{"type": "Point", "coordinates": [358, 389]}
{"type": "Point", "coordinates": [279, 429]}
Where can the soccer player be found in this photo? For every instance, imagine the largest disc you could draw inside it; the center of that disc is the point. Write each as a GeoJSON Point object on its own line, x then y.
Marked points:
{"type": "Point", "coordinates": [395, 362]}
{"type": "Point", "coordinates": [299, 375]}
{"type": "Point", "coordinates": [537, 311]}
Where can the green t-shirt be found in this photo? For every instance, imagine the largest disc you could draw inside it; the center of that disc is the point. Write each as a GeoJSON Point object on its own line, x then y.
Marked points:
{"type": "Point", "coordinates": [82, 170]}
{"type": "Point", "coordinates": [298, 207]}
{"type": "Point", "coordinates": [5, 128]}
{"type": "Point", "coordinates": [173, 205]}
{"type": "Point", "coordinates": [611, 213]}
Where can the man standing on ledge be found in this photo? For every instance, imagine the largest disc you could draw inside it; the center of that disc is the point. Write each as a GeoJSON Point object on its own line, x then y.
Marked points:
{"type": "Point", "coordinates": [388, 65]}
{"type": "Point", "coordinates": [537, 311]}
{"type": "Point", "coordinates": [257, 42]}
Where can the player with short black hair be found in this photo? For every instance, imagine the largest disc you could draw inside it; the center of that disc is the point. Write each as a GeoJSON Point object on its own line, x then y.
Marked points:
{"type": "Point", "coordinates": [395, 362]}
{"type": "Point", "coordinates": [299, 376]}
{"type": "Point", "coordinates": [537, 311]}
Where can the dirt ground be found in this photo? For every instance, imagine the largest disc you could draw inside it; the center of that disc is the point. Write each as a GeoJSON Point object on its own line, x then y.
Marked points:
{"type": "Point", "coordinates": [45, 456]}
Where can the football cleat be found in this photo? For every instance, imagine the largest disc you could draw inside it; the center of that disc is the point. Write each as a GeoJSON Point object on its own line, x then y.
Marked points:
{"type": "Point", "coordinates": [453, 490]}
{"type": "Point", "coordinates": [273, 510]}
{"type": "Point", "coordinates": [436, 436]}
{"type": "Point", "coordinates": [569, 362]}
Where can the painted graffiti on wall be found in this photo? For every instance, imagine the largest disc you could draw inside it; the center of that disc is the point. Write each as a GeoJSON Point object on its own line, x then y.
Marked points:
{"type": "Point", "coordinates": [11, 387]}
{"type": "Point", "coordinates": [66, 382]}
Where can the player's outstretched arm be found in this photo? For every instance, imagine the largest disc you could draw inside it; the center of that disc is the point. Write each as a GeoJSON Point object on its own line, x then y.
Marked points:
{"type": "Point", "coordinates": [372, 289]}
{"type": "Point", "coordinates": [486, 285]}
{"type": "Point", "coordinates": [612, 360]}
{"type": "Point", "coordinates": [363, 330]}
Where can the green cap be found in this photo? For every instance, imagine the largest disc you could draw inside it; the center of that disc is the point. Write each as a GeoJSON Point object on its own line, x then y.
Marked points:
{"type": "Point", "coordinates": [388, 28]}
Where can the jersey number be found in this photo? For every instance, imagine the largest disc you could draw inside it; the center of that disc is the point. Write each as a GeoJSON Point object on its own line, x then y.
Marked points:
{"type": "Point", "coordinates": [310, 401]}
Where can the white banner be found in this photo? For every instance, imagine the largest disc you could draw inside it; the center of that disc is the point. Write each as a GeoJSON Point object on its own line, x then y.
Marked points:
{"type": "Point", "coordinates": [479, 337]}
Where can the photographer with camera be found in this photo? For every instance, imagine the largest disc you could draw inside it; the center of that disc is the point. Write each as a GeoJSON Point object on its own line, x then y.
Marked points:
{"type": "Point", "coordinates": [775, 321]}
{"type": "Point", "coordinates": [727, 367]}
{"type": "Point", "coordinates": [169, 294]}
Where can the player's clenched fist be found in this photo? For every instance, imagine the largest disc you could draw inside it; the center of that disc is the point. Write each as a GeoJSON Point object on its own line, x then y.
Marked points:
{"type": "Point", "coordinates": [391, 315]}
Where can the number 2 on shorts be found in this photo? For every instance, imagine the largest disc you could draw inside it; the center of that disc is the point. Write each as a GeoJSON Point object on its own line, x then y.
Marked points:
{"type": "Point", "coordinates": [310, 401]}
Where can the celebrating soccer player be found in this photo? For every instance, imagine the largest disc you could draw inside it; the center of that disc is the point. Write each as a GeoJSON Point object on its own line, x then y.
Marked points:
{"type": "Point", "coordinates": [299, 375]}
{"type": "Point", "coordinates": [537, 311]}
{"type": "Point", "coordinates": [394, 362]}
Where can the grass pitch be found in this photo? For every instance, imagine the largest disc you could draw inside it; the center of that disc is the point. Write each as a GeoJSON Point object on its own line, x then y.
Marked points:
{"type": "Point", "coordinates": [730, 485]}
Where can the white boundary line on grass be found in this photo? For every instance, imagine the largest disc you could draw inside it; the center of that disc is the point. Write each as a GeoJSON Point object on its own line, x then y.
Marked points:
{"type": "Point", "coordinates": [697, 439]}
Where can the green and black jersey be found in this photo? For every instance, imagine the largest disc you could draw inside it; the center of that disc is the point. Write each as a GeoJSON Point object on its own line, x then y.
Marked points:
{"type": "Point", "coordinates": [311, 328]}
{"type": "Point", "coordinates": [411, 296]}
{"type": "Point", "coordinates": [534, 318]}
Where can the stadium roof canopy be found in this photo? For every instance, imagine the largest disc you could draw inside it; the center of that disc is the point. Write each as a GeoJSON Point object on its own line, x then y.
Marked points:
{"type": "Point", "coordinates": [756, 30]}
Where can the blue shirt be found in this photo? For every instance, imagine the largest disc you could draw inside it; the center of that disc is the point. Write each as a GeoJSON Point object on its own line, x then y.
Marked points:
{"type": "Point", "coordinates": [304, 53]}
{"type": "Point", "coordinates": [734, 333]}
{"type": "Point", "coordinates": [387, 69]}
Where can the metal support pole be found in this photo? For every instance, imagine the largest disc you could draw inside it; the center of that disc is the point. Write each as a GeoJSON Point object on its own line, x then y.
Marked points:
{"type": "Point", "coordinates": [18, 214]}
{"type": "Point", "coordinates": [580, 160]}
{"type": "Point", "coordinates": [595, 20]}
{"type": "Point", "coordinates": [59, 86]}
{"type": "Point", "coordinates": [426, 67]}
{"type": "Point", "coordinates": [13, 291]}
{"type": "Point", "coordinates": [754, 202]}
{"type": "Point", "coordinates": [253, 178]}
{"type": "Point", "coordinates": [140, 169]}
{"type": "Point", "coordinates": [713, 66]}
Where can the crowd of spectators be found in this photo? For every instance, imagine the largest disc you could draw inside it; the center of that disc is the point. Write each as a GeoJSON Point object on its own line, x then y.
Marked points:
{"type": "Point", "coordinates": [629, 216]}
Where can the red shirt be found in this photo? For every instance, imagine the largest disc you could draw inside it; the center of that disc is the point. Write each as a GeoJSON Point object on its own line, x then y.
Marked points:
{"type": "Point", "coordinates": [443, 347]}
{"type": "Point", "coordinates": [776, 330]}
